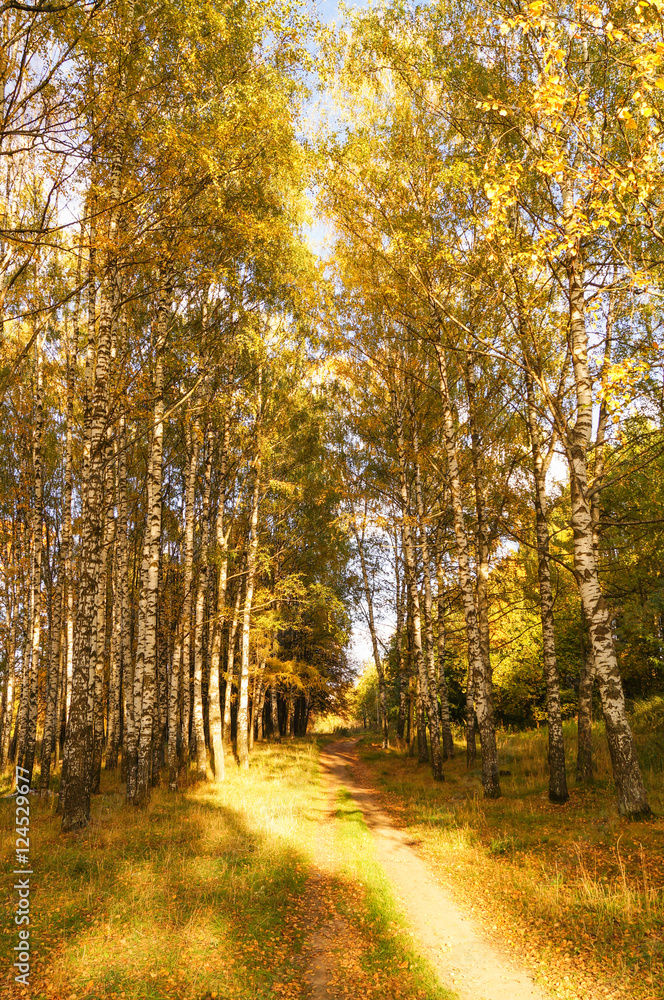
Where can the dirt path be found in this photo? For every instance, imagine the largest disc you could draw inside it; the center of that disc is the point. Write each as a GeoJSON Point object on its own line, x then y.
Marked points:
{"type": "Point", "coordinates": [453, 944]}
{"type": "Point", "coordinates": [329, 931]}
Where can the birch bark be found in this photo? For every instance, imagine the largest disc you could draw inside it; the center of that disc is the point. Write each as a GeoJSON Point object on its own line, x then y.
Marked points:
{"type": "Point", "coordinates": [632, 798]}
{"type": "Point", "coordinates": [190, 495]}
{"type": "Point", "coordinates": [382, 693]}
{"type": "Point", "coordinates": [102, 615]}
{"type": "Point", "coordinates": [221, 537]}
{"type": "Point", "coordinates": [78, 745]}
{"type": "Point", "coordinates": [402, 679]}
{"type": "Point", "coordinates": [71, 356]}
{"type": "Point", "coordinates": [434, 712]}
{"type": "Point", "coordinates": [482, 536]}
{"type": "Point", "coordinates": [243, 693]}
{"type": "Point", "coordinates": [557, 774]}
{"type": "Point", "coordinates": [199, 728]}
{"type": "Point", "coordinates": [426, 698]}
{"type": "Point", "coordinates": [27, 758]}
{"type": "Point", "coordinates": [230, 663]}
{"type": "Point", "coordinates": [135, 699]}
{"type": "Point", "coordinates": [8, 713]}
{"type": "Point", "coordinates": [584, 754]}
{"type": "Point", "coordinates": [154, 547]}
{"type": "Point", "coordinates": [114, 668]}
{"type": "Point", "coordinates": [448, 741]}
{"type": "Point", "coordinates": [52, 683]}
{"type": "Point", "coordinates": [478, 681]}
{"type": "Point", "coordinates": [173, 704]}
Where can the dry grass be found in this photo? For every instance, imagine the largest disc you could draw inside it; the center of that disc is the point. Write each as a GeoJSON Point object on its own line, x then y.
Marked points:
{"type": "Point", "coordinates": [576, 892]}
{"type": "Point", "coordinates": [170, 901]}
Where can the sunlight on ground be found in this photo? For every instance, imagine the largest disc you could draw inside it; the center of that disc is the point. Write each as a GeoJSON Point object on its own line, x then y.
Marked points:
{"type": "Point", "coordinates": [537, 873]}
{"type": "Point", "coordinates": [209, 893]}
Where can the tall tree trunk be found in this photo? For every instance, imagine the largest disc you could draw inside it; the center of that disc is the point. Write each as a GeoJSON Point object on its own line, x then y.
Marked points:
{"type": "Point", "coordinates": [102, 616]}
{"type": "Point", "coordinates": [584, 756]}
{"type": "Point", "coordinates": [27, 751]}
{"type": "Point", "coordinates": [424, 695]}
{"type": "Point", "coordinates": [8, 712]}
{"type": "Point", "coordinates": [125, 649]}
{"type": "Point", "coordinates": [433, 710]}
{"type": "Point", "coordinates": [482, 539]}
{"type": "Point", "coordinates": [190, 496]}
{"type": "Point", "coordinates": [199, 728]}
{"type": "Point", "coordinates": [52, 683]}
{"type": "Point", "coordinates": [160, 710]}
{"type": "Point", "coordinates": [24, 689]}
{"type": "Point", "coordinates": [114, 671]}
{"type": "Point", "coordinates": [243, 693]}
{"type": "Point", "coordinates": [632, 798]}
{"type": "Point", "coordinates": [230, 662]}
{"type": "Point", "coordinates": [557, 774]}
{"type": "Point", "coordinates": [136, 695]}
{"type": "Point", "coordinates": [274, 712]}
{"type": "Point", "coordinates": [71, 354]}
{"type": "Point", "coordinates": [153, 531]}
{"type": "Point", "coordinates": [448, 741]}
{"type": "Point", "coordinates": [173, 703]}
{"type": "Point", "coordinates": [410, 733]}
{"type": "Point", "coordinates": [602, 424]}
{"type": "Point", "coordinates": [260, 708]}
{"type": "Point", "coordinates": [382, 694]}
{"type": "Point", "coordinates": [118, 577]}
{"type": "Point", "coordinates": [78, 745]}
{"type": "Point", "coordinates": [221, 537]}
{"type": "Point", "coordinates": [26, 602]}
{"type": "Point", "coordinates": [477, 674]}
{"type": "Point", "coordinates": [398, 640]}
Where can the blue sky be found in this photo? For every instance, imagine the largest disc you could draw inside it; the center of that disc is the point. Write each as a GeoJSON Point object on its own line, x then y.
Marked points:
{"type": "Point", "coordinates": [327, 11]}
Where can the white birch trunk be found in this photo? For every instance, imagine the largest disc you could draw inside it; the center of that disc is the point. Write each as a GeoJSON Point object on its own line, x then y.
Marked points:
{"type": "Point", "coordinates": [448, 741]}
{"type": "Point", "coordinates": [424, 697]}
{"type": "Point", "coordinates": [243, 693]}
{"type": "Point", "coordinates": [190, 496]}
{"type": "Point", "coordinates": [433, 708]}
{"type": "Point", "coordinates": [199, 727]}
{"type": "Point", "coordinates": [230, 663]}
{"type": "Point", "coordinates": [153, 548]}
{"type": "Point", "coordinates": [27, 758]}
{"type": "Point", "coordinates": [632, 798]}
{"type": "Point", "coordinates": [221, 538]}
{"type": "Point", "coordinates": [382, 693]}
{"type": "Point", "coordinates": [478, 678]}
{"type": "Point", "coordinates": [557, 773]}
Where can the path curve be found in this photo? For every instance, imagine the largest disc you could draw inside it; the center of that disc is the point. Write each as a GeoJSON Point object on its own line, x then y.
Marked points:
{"type": "Point", "coordinates": [453, 943]}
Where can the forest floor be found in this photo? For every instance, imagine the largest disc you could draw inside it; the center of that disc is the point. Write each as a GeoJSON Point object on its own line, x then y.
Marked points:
{"type": "Point", "coordinates": [266, 887]}
{"type": "Point", "coordinates": [575, 893]}
{"type": "Point", "coordinates": [273, 885]}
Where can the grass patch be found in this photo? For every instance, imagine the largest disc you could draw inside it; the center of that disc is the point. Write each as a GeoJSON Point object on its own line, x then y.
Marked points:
{"type": "Point", "coordinates": [576, 892]}
{"type": "Point", "coordinates": [195, 896]}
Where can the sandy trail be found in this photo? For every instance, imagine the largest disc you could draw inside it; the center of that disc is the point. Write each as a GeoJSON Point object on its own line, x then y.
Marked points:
{"type": "Point", "coordinates": [329, 932]}
{"type": "Point", "coordinates": [453, 944]}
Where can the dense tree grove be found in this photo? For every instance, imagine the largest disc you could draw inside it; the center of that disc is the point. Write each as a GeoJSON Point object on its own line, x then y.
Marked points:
{"type": "Point", "coordinates": [172, 573]}
{"type": "Point", "coordinates": [218, 451]}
